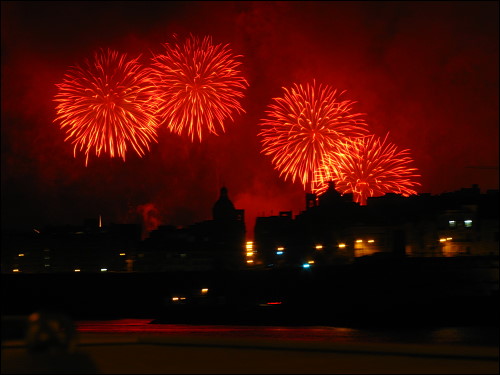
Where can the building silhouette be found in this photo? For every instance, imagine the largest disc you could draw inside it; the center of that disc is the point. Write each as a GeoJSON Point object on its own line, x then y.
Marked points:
{"type": "Point", "coordinates": [331, 230]}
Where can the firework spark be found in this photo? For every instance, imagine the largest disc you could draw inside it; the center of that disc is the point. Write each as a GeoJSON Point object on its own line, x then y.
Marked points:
{"type": "Point", "coordinates": [303, 126]}
{"type": "Point", "coordinates": [368, 167]}
{"type": "Point", "coordinates": [198, 86]}
{"type": "Point", "coordinates": [107, 105]}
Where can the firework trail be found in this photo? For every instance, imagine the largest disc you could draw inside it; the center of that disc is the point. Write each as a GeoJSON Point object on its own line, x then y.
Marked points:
{"type": "Point", "coordinates": [368, 167]}
{"type": "Point", "coordinates": [303, 126]}
{"type": "Point", "coordinates": [198, 86]}
{"type": "Point", "coordinates": [107, 105]}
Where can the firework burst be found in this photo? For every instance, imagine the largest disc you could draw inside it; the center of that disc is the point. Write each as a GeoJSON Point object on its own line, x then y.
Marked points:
{"type": "Point", "coordinates": [107, 105]}
{"type": "Point", "coordinates": [198, 86]}
{"type": "Point", "coordinates": [303, 126]}
{"type": "Point", "coordinates": [368, 167]}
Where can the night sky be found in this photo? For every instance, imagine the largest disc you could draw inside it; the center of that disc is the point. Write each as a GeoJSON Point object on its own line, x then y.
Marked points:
{"type": "Point", "coordinates": [426, 72]}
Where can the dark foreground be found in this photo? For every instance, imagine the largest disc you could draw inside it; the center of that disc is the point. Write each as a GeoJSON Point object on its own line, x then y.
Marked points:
{"type": "Point", "coordinates": [414, 292]}
{"type": "Point", "coordinates": [191, 354]}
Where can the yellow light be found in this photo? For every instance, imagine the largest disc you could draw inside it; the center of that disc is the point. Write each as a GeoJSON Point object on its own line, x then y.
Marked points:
{"type": "Point", "coordinates": [358, 241]}
{"type": "Point", "coordinates": [319, 247]}
{"type": "Point", "coordinates": [204, 291]}
{"type": "Point", "coordinates": [175, 298]}
{"type": "Point", "coordinates": [371, 241]}
{"type": "Point", "coordinates": [281, 248]}
{"type": "Point", "coordinates": [77, 270]}
{"type": "Point", "coordinates": [442, 239]}
{"type": "Point", "coordinates": [249, 260]}
{"type": "Point", "coordinates": [448, 238]}
{"type": "Point", "coordinates": [311, 262]}
{"type": "Point", "coordinates": [20, 255]}
{"type": "Point", "coordinates": [341, 245]}
{"type": "Point", "coordinates": [15, 270]}
{"type": "Point", "coordinates": [249, 254]}
{"type": "Point", "coordinates": [122, 254]}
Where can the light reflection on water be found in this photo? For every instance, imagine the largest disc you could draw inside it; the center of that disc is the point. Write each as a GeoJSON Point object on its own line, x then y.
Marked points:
{"type": "Point", "coordinates": [487, 336]}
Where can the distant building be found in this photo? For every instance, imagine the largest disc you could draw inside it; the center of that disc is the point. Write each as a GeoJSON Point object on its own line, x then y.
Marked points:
{"type": "Point", "coordinates": [332, 230]}
{"type": "Point", "coordinates": [208, 245]}
{"type": "Point", "coordinates": [335, 230]}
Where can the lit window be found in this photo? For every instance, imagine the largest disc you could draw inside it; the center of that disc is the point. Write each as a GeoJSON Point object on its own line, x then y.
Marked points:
{"type": "Point", "coordinates": [359, 241]}
{"type": "Point", "coordinates": [468, 223]}
{"type": "Point", "coordinates": [250, 261]}
{"type": "Point", "coordinates": [249, 254]}
{"type": "Point", "coordinates": [371, 241]}
{"type": "Point", "coordinates": [448, 238]}
{"type": "Point", "coordinates": [341, 245]}
{"type": "Point", "coordinates": [204, 290]}
{"type": "Point", "coordinates": [452, 223]}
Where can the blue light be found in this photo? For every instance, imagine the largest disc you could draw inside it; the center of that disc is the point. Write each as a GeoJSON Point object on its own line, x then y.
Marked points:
{"type": "Point", "coordinates": [306, 265]}
{"type": "Point", "coordinates": [279, 253]}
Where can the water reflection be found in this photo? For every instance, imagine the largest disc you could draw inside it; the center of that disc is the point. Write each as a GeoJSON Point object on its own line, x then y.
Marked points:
{"type": "Point", "coordinates": [487, 336]}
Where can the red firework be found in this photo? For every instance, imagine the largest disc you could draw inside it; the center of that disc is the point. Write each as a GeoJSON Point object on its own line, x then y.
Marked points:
{"type": "Point", "coordinates": [198, 86]}
{"type": "Point", "coordinates": [304, 126]}
{"type": "Point", "coordinates": [368, 167]}
{"type": "Point", "coordinates": [106, 105]}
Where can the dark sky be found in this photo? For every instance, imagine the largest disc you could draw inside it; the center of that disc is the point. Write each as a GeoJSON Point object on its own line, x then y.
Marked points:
{"type": "Point", "coordinates": [426, 72]}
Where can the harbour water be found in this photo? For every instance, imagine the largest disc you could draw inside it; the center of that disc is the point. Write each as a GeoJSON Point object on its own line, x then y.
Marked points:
{"type": "Point", "coordinates": [461, 335]}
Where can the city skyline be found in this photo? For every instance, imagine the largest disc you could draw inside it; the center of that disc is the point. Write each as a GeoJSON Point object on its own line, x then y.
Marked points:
{"type": "Point", "coordinates": [426, 73]}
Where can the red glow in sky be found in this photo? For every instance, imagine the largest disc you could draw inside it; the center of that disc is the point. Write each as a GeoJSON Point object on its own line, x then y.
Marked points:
{"type": "Point", "coordinates": [425, 72]}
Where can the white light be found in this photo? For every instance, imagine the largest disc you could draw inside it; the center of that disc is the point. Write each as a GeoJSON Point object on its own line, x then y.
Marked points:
{"type": "Point", "coordinates": [77, 270]}
{"type": "Point", "coordinates": [104, 269]}
{"type": "Point", "coordinates": [468, 223]}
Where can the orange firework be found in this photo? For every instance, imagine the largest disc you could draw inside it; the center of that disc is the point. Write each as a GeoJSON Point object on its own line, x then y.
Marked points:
{"type": "Point", "coordinates": [368, 167]}
{"type": "Point", "coordinates": [106, 105]}
{"type": "Point", "coordinates": [304, 126]}
{"type": "Point", "coordinates": [198, 86]}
